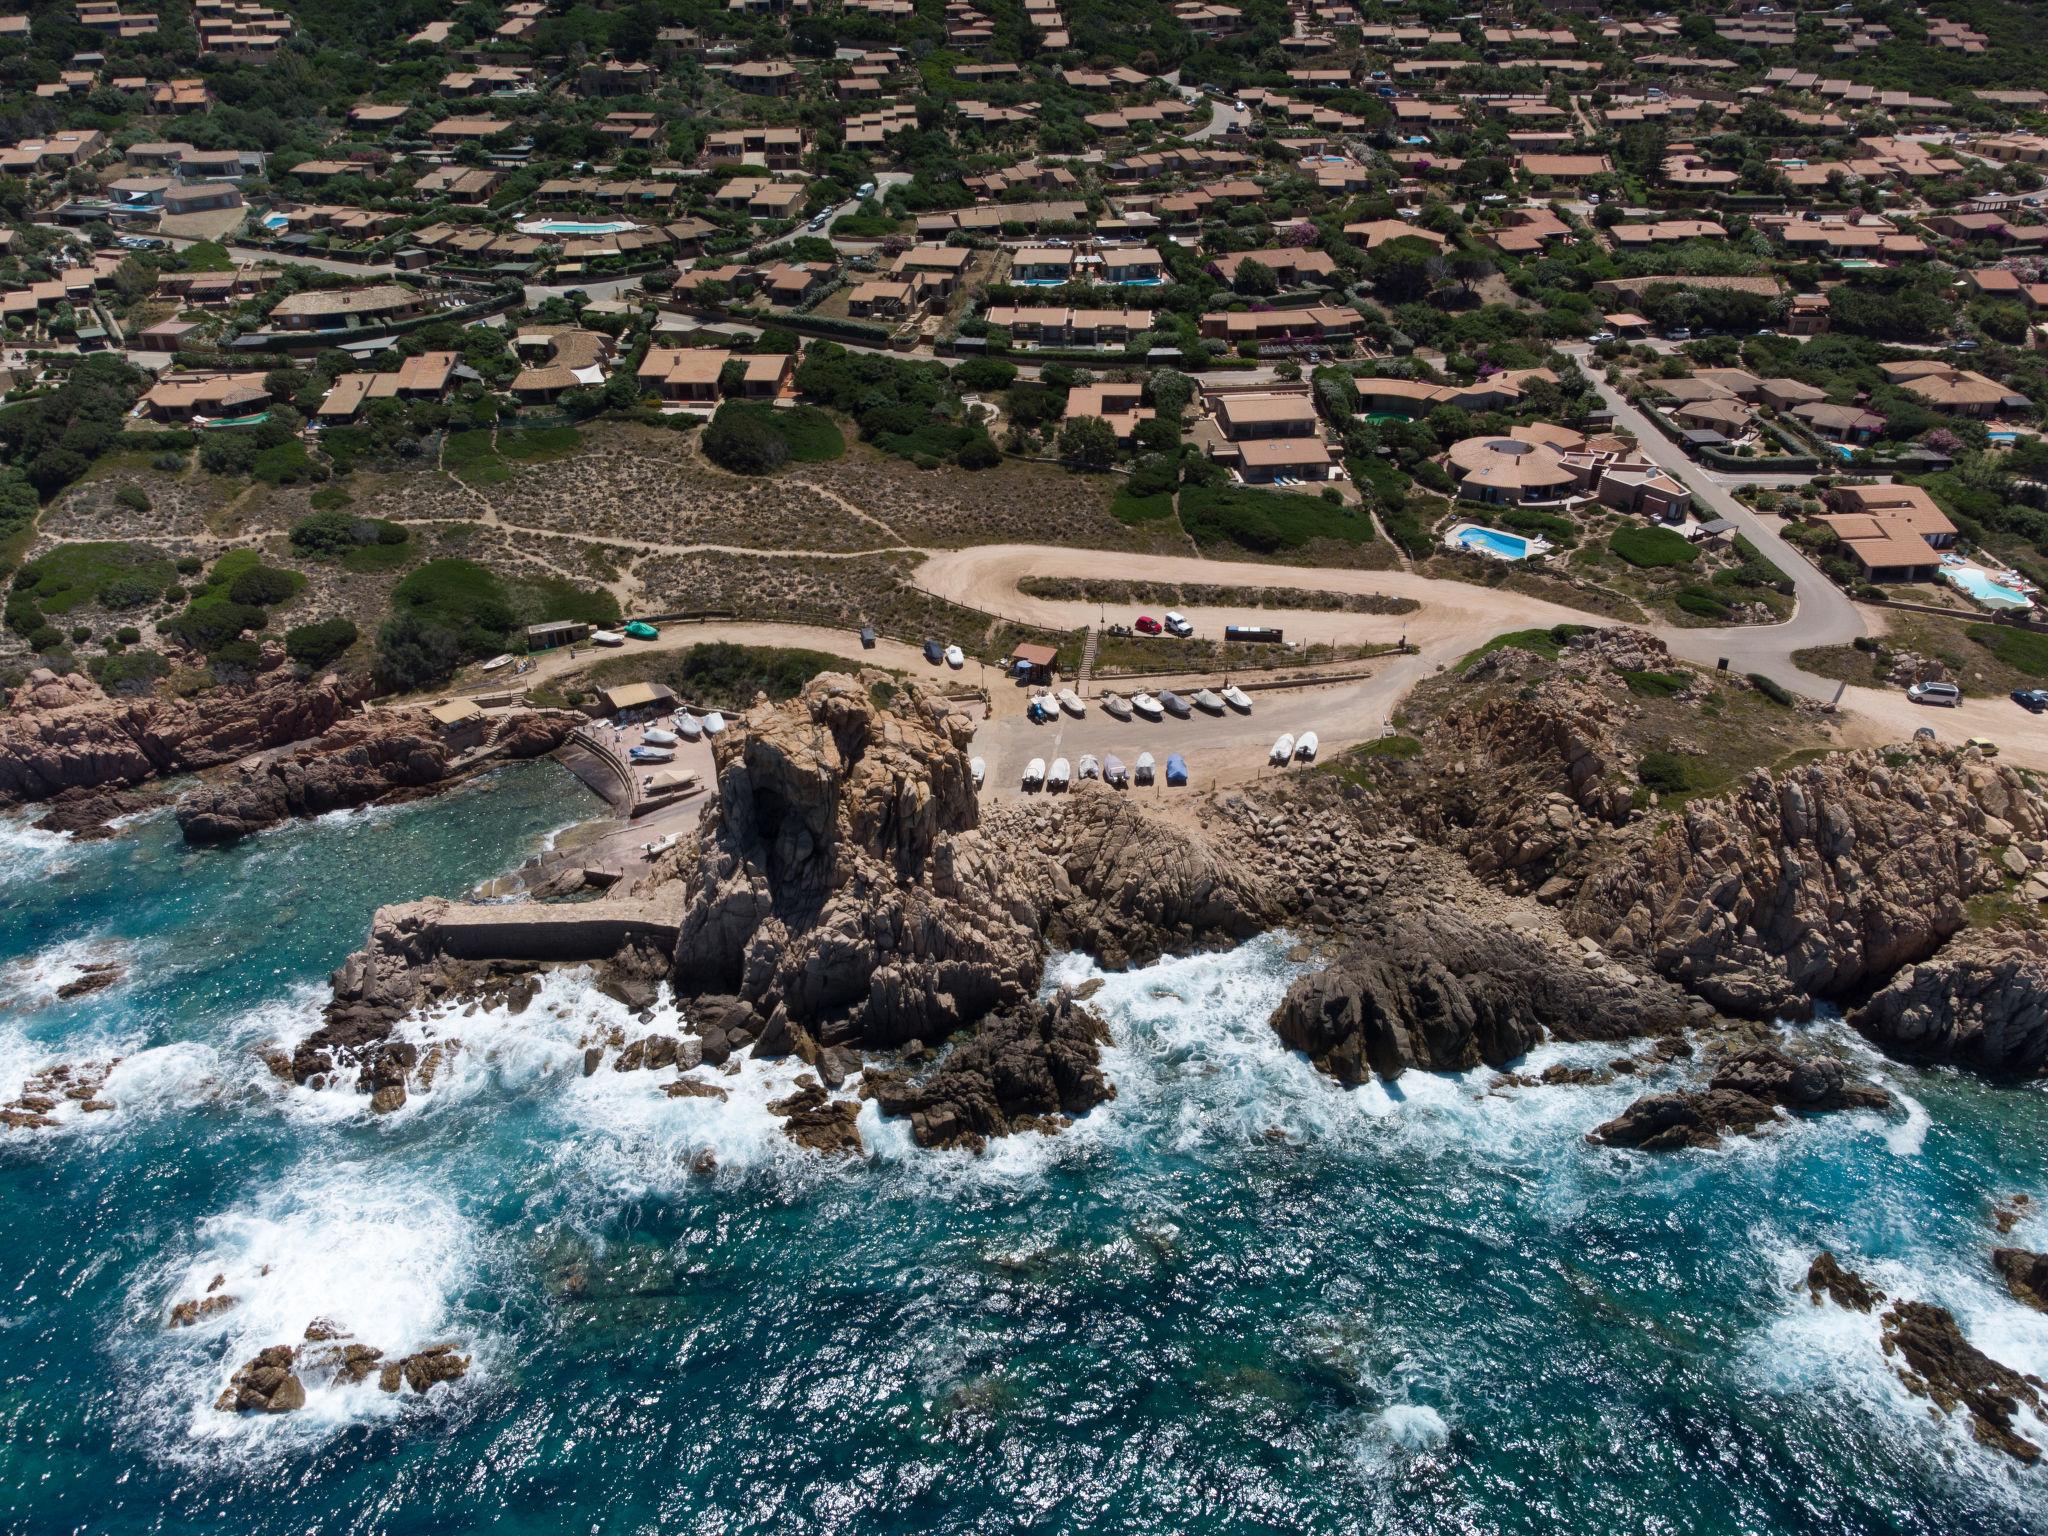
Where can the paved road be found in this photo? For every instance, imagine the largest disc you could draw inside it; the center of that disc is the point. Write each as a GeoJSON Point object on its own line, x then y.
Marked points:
{"type": "Point", "coordinates": [1222, 118]}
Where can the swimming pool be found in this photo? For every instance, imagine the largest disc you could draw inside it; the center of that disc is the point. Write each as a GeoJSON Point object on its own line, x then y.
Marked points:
{"type": "Point", "coordinates": [1977, 584]}
{"type": "Point", "coordinates": [571, 227]}
{"type": "Point", "coordinates": [275, 221]}
{"type": "Point", "coordinates": [1382, 418]}
{"type": "Point", "coordinates": [1491, 541]}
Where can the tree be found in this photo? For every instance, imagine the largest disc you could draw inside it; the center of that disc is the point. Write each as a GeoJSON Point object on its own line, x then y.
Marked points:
{"type": "Point", "coordinates": [1170, 393]}
{"type": "Point", "coordinates": [1088, 442]}
{"type": "Point", "coordinates": [1256, 279]}
{"type": "Point", "coordinates": [1400, 268]}
{"type": "Point", "coordinates": [744, 444]}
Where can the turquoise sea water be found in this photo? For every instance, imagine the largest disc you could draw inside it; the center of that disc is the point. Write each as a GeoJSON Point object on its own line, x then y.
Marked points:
{"type": "Point", "coordinates": [1235, 1298]}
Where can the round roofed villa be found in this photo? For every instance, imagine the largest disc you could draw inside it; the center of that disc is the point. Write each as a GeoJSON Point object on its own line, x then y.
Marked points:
{"type": "Point", "coordinates": [1509, 469]}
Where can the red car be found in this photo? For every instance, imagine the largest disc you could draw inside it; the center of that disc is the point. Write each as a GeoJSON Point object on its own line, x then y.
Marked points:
{"type": "Point", "coordinates": [1147, 625]}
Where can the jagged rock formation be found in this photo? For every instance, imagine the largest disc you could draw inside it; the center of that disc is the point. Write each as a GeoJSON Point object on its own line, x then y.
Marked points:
{"type": "Point", "coordinates": [271, 1382]}
{"type": "Point", "coordinates": [1028, 1068]}
{"type": "Point", "coordinates": [61, 732]}
{"type": "Point", "coordinates": [1981, 1003]}
{"type": "Point", "coordinates": [1827, 1280]}
{"type": "Point", "coordinates": [1745, 1094]}
{"type": "Point", "coordinates": [1935, 1361]}
{"type": "Point", "coordinates": [44, 1092]}
{"type": "Point", "coordinates": [360, 760]}
{"type": "Point", "coordinates": [88, 811]}
{"type": "Point", "coordinates": [1809, 884]}
{"type": "Point", "coordinates": [839, 879]}
{"type": "Point", "coordinates": [2026, 1275]}
{"type": "Point", "coordinates": [1445, 989]}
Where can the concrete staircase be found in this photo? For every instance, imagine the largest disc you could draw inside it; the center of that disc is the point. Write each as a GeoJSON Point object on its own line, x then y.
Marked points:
{"type": "Point", "coordinates": [1088, 651]}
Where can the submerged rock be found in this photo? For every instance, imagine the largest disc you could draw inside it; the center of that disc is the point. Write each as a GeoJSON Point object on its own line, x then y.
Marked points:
{"type": "Point", "coordinates": [813, 1118]}
{"type": "Point", "coordinates": [195, 1310]}
{"type": "Point", "coordinates": [2026, 1275]}
{"type": "Point", "coordinates": [1745, 1094]}
{"type": "Point", "coordinates": [264, 1385]}
{"type": "Point", "coordinates": [1026, 1068]}
{"type": "Point", "coordinates": [1827, 1280]}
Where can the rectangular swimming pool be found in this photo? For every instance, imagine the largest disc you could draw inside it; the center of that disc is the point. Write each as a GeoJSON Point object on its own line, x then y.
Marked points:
{"type": "Point", "coordinates": [1490, 541]}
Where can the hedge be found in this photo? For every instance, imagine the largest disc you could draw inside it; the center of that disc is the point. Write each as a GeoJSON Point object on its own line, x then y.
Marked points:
{"type": "Point", "coordinates": [1651, 548]}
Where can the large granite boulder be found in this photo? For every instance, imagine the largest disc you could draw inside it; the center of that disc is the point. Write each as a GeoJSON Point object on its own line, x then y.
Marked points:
{"type": "Point", "coordinates": [1981, 1002]}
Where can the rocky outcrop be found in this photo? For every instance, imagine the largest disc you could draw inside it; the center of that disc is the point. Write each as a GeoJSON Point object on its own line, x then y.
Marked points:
{"type": "Point", "coordinates": [55, 1088]}
{"type": "Point", "coordinates": [1934, 1360]}
{"type": "Point", "coordinates": [272, 1382]}
{"type": "Point", "coordinates": [2026, 1275]}
{"type": "Point", "coordinates": [1811, 884]}
{"type": "Point", "coordinates": [62, 733]}
{"type": "Point", "coordinates": [89, 811]}
{"type": "Point", "coordinates": [1027, 1068]}
{"type": "Point", "coordinates": [1745, 1094]}
{"type": "Point", "coordinates": [1446, 989]}
{"type": "Point", "coordinates": [1980, 1003]}
{"type": "Point", "coordinates": [840, 877]}
{"type": "Point", "coordinates": [1826, 1280]}
{"type": "Point", "coordinates": [812, 1118]}
{"type": "Point", "coordinates": [361, 760]}
{"type": "Point", "coordinates": [265, 1384]}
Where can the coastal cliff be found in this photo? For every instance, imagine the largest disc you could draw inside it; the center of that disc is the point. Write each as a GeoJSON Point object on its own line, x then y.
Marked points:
{"type": "Point", "coordinates": [62, 732]}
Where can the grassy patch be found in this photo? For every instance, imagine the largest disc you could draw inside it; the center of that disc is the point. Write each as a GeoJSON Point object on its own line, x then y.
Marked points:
{"type": "Point", "coordinates": [113, 575]}
{"type": "Point", "coordinates": [470, 457]}
{"type": "Point", "coordinates": [1655, 685]}
{"type": "Point", "coordinates": [2023, 650]}
{"type": "Point", "coordinates": [1363, 763]}
{"type": "Point", "coordinates": [1132, 510]}
{"type": "Point", "coordinates": [1651, 548]}
{"type": "Point", "coordinates": [1547, 643]}
{"type": "Point", "coordinates": [1268, 522]}
{"type": "Point", "coordinates": [537, 445]}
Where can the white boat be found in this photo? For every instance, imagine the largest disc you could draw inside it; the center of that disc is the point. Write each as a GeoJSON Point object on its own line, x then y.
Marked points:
{"type": "Point", "coordinates": [1058, 776]}
{"type": "Point", "coordinates": [1208, 703]}
{"type": "Point", "coordinates": [496, 662]}
{"type": "Point", "coordinates": [651, 754]}
{"type": "Point", "coordinates": [1090, 768]}
{"type": "Point", "coordinates": [1144, 768]}
{"type": "Point", "coordinates": [980, 771]}
{"type": "Point", "coordinates": [606, 637]}
{"type": "Point", "coordinates": [1114, 772]}
{"type": "Point", "coordinates": [955, 657]}
{"type": "Point", "coordinates": [1307, 746]}
{"type": "Point", "coordinates": [1034, 773]}
{"type": "Point", "coordinates": [1070, 701]}
{"type": "Point", "coordinates": [1174, 704]}
{"type": "Point", "coordinates": [1116, 706]}
{"type": "Point", "coordinates": [1147, 706]}
{"type": "Point", "coordinates": [688, 726]}
{"type": "Point", "coordinates": [714, 723]}
{"type": "Point", "coordinates": [655, 736]}
{"type": "Point", "coordinates": [1238, 699]}
{"type": "Point", "coordinates": [1283, 750]}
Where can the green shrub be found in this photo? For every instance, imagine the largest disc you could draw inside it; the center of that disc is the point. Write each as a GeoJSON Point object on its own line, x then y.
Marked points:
{"type": "Point", "coordinates": [130, 672]}
{"type": "Point", "coordinates": [1703, 602]}
{"type": "Point", "coordinates": [1664, 772]}
{"type": "Point", "coordinates": [212, 620]}
{"type": "Point", "coordinates": [1655, 685]}
{"type": "Point", "coordinates": [1133, 510]}
{"type": "Point", "coordinates": [1771, 690]}
{"type": "Point", "coordinates": [133, 497]}
{"type": "Point", "coordinates": [1548, 643]}
{"type": "Point", "coordinates": [286, 463]}
{"type": "Point", "coordinates": [1651, 548]}
{"type": "Point", "coordinates": [319, 643]}
{"type": "Point", "coordinates": [744, 443]}
{"type": "Point", "coordinates": [1266, 522]}
{"type": "Point", "coordinates": [264, 586]}
{"type": "Point", "coordinates": [113, 575]}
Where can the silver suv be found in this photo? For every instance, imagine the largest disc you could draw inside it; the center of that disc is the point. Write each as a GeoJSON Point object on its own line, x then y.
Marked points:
{"type": "Point", "coordinates": [1947, 694]}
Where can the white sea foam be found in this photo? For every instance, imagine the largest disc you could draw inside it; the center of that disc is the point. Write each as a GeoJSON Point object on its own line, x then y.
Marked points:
{"type": "Point", "coordinates": [1415, 1426]}
{"type": "Point", "coordinates": [33, 981]}
{"type": "Point", "coordinates": [383, 1258]}
{"type": "Point", "coordinates": [28, 854]}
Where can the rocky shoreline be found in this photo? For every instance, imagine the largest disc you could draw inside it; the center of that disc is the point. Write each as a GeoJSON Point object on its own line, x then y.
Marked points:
{"type": "Point", "coordinates": [285, 747]}
{"type": "Point", "coordinates": [848, 902]}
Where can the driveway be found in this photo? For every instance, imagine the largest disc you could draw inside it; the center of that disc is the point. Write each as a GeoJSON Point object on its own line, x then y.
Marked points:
{"type": "Point", "coordinates": [1824, 615]}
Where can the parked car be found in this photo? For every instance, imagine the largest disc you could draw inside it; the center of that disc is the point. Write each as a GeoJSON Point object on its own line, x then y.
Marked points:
{"type": "Point", "coordinates": [2032, 700]}
{"type": "Point", "coordinates": [1176, 624]}
{"type": "Point", "coordinates": [1947, 695]}
{"type": "Point", "coordinates": [1683, 333]}
{"type": "Point", "coordinates": [1967, 344]}
{"type": "Point", "coordinates": [934, 652]}
{"type": "Point", "coordinates": [1599, 336]}
{"type": "Point", "coordinates": [1147, 625]}
{"type": "Point", "coordinates": [866, 191]}
{"type": "Point", "coordinates": [1984, 744]}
